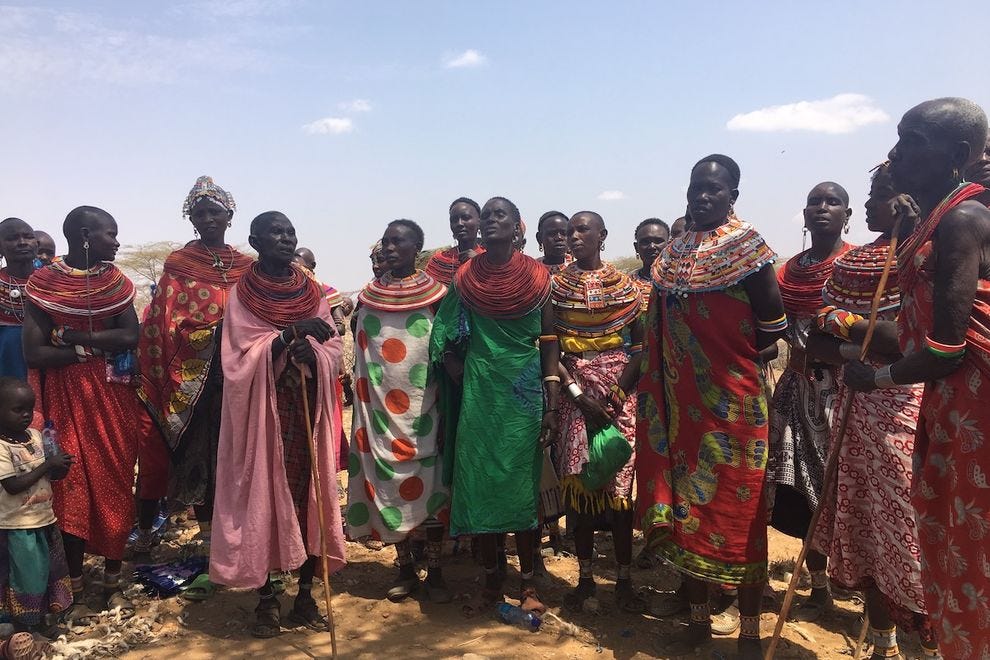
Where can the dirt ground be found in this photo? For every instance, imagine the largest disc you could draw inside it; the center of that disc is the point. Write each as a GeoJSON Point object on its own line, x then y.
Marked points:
{"type": "Point", "coordinates": [368, 626]}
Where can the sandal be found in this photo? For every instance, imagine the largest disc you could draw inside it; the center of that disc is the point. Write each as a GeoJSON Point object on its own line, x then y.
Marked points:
{"type": "Point", "coordinates": [574, 601]}
{"type": "Point", "coordinates": [118, 600]}
{"type": "Point", "coordinates": [305, 612]}
{"type": "Point", "coordinates": [626, 598]}
{"type": "Point", "coordinates": [200, 589]}
{"type": "Point", "coordinates": [529, 601]}
{"type": "Point", "coordinates": [403, 587]}
{"type": "Point", "coordinates": [727, 621]}
{"type": "Point", "coordinates": [811, 610]}
{"type": "Point", "coordinates": [268, 622]}
{"type": "Point", "coordinates": [23, 646]}
{"type": "Point", "coordinates": [80, 614]}
{"type": "Point", "coordinates": [669, 604]}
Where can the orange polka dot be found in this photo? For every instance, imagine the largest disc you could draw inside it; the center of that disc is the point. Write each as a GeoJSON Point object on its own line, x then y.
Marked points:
{"type": "Point", "coordinates": [369, 490]}
{"type": "Point", "coordinates": [411, 489]}
{"type": "Point", "coordinates": [362, 390]}
{"type": "Point", "coordinates": [403, 450]}
{"type": "Point", "coordinates": [397, 401]}
{"type": "Point", "coordinates": [362, 340]}
{"type": "Point", "coordinates": [394, 350]}
{"type": "Point", "coordinates": [361, 439]}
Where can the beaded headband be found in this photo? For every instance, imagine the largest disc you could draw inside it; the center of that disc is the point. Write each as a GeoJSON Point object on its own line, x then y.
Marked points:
{"type": "Point", "coordinates": [205, 188]}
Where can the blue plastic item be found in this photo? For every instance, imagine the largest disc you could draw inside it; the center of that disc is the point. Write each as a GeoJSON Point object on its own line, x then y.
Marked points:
{"type": "Point", "coordinates": [516, 616]}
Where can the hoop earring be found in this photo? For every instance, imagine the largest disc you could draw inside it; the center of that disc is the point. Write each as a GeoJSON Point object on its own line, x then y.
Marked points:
{"type": "Point", "coordinates": [195, 232]}
{"type": "Point", "coordinates": [846, 228]}
{"type": "Point", "coordinates": [230, 223]}
{"type": "Point", "coordinates": [804, 238]}
{"type": "Point", "coordinates": [541, 247]}
{"type": "Point", "coordinates": [601, 248]}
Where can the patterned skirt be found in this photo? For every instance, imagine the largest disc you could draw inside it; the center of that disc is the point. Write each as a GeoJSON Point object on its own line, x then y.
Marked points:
{"type": "Point", "coordinates": [295, 442]}
{"type": "Point", "coordinates": [34, 578]}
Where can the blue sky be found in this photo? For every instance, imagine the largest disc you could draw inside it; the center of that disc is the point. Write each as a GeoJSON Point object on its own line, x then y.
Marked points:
{"type": "Point", "coordinates": [348, 115]}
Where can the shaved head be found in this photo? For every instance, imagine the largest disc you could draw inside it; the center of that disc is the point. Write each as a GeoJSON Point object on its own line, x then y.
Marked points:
{"type": "Point", "coordinates": [952, 120]}
{"type": "Point", "coordinates": [306, 256]}
{"type": "Point", "coordinates": [83, 216]}
{"type": "Point", "coordinates": [592, 217]}
{"type": "Point", "coordinates": [262, 221]}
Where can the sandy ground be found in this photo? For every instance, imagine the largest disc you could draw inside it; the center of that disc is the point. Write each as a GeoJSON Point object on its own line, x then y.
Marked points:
{"type": "Point", "coordinates": [368, 626]}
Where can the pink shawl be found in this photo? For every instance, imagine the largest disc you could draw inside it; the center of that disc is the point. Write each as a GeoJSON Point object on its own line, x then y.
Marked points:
{"type": "Point", "coordinates": [254, 522]}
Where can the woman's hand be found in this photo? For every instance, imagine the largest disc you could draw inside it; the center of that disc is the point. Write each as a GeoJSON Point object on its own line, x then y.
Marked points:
{"type": "Point", "coordinates": [595, 414]}
{"type": "Point", "coordinates": [316, 328]}
{"type": "Point", "coordinates": [301, 352]}
{"type": "Point", "coordinates": [549, 428]}
{"type": "Point", "coordinates": [859, 377]}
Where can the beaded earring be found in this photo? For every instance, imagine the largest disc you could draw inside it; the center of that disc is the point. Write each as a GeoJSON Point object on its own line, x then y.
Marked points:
{"type": "Point", "coordinates": [804, 238]}
{"type": "Point", "coordinates": [195, 232]}
{"type": "Point", "coordinates": [541, 247]}
{"type": "Point", "coordinates": [86, 244]}
{"type": "Point", "coordinates": [601, 248]}
{"type": "Point", "coordinates": [846, 227]}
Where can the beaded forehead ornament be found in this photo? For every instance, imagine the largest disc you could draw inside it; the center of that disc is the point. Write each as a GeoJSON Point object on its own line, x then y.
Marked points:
{"type": "Point", "coordinates": [205, 188]}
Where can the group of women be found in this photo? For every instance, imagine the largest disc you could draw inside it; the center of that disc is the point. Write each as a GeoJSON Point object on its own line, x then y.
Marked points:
{"type": "Point", "coordinates": [494, 392]}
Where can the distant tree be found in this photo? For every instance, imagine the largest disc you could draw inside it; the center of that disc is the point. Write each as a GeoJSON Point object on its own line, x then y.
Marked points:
{"type": "Point", "coordinates": [627, 264]}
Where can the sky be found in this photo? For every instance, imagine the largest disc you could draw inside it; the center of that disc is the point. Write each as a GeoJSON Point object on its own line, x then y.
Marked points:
{"type": "Point", "coordinates": [345, 115]}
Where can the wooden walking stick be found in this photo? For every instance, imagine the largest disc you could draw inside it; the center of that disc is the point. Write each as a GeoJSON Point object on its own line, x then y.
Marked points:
{"type": "Point", "coordinates": [832, 465]}
{"type": "Point", "coordinates": [862, 635]}
{"type": "Point", "coordinates": [315, 470]}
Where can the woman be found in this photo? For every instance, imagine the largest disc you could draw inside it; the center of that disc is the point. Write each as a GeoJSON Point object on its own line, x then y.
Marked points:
{"type": "Point", "coordinates": [18, 246]}
{"type": "Point", "coordinates": [464, 219]}
{"type": "Point", "coordinates": [802, 402]}
{"type": "Point", "coordinates": [593, 304]}
{"type": "Point", "coordinates": [868, 531]}
{"type": "Point", "coordinates": [702, 434]}
{"type": "Point", "coordinates": [485, 339]}
{"type": "Point", "coordinates": [551, 236]}
{"type": "Point", "coordinates": [395, 484]}
{"type": "Point", "coordinates": [178, 352]}
{"type": "Point", "coordinates": [79, 330]}
{"type": "Point", "coordinates": [648, 241]}
{"type": "Point", "coordinates": [943, 331]}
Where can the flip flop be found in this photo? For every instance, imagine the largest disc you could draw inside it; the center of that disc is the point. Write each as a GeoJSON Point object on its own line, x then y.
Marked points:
{"type": "Point", "coordinates": [199, 589]}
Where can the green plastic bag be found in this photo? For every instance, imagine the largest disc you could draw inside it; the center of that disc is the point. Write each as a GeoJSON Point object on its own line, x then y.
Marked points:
{"type": "Point", "coordinates": [608, 451]}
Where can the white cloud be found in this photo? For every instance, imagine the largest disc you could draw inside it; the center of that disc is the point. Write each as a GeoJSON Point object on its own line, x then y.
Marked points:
{"type": "Point", "coordinates": [466, 60]}
{"type": "Point", "coordinates": [355, 105]}
{"type": "Point", "coordinates": [611, 195]}
{"type": "Point", "coordinates": [329, 126]}
{"type": "Point", "coordinates": [224, 9]}
{"type": "Point", "coordinates": [843, 113]}
{"type": "Point", "coordinates": [40, 45]}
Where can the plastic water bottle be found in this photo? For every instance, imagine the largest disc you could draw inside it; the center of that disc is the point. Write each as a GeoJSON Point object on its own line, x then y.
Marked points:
{"type": "Point", "coordinates": [49, 439]}
{"type": "Point", "coordinates": [518, 617]}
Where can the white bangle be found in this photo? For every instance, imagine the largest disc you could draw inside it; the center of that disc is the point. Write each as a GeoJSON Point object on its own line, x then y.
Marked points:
{"type": "Point", "coordinates": [882, 378]}
{"type": "Point", "coordinates": [573, 390]}
{"type": "Point", "coordinates": [850, 351]}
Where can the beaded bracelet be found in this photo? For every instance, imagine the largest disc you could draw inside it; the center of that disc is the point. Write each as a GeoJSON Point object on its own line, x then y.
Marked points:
{"type": "Point", "coordinates": [776, 325]}
{"type": "Point", "coordinates": [635, 348]}
{"type": "Point", "coordinates": [58, 335]}
{"type": "Point", "coordinates": [551, 379]}
{"type": "Point", "coordinates": [945, 351]}
{"type": "Point", "coordinates": [618, 391]}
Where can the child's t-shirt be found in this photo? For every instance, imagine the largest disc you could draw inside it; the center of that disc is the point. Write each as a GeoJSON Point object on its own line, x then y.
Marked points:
{"type": "Point", "coordinates": [31, 508]}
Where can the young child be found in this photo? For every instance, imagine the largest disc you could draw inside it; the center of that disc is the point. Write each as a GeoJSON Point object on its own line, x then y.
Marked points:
{"type": "Point", "coordinates": [34, 577]}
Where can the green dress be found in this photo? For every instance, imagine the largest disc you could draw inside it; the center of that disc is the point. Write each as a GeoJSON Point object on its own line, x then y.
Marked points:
{"type": "Point", "coordinates": [492, 454]}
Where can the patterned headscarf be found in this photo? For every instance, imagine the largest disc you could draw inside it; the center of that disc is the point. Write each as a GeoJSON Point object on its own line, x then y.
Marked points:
{"type": "Point", "coordinates": [206, 189]}
{"type": "Point", "coordinates": [376, 248]}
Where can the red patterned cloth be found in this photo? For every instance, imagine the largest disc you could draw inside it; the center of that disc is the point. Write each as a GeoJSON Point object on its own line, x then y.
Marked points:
{"type": "Point", "coordinates": [594, 376]}
{"type": "Point", "coordinates": [94, 418]}
{"type": "Point", "coordinates": [951, 487]}
{"type": "Point", "coordinates": [868, 529]}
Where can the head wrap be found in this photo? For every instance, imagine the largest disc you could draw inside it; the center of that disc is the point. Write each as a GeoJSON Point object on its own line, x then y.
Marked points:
{"type": "Point", "coordinates": [377, 247]}
{"type": "Point", "coordinates": [204, 188]}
